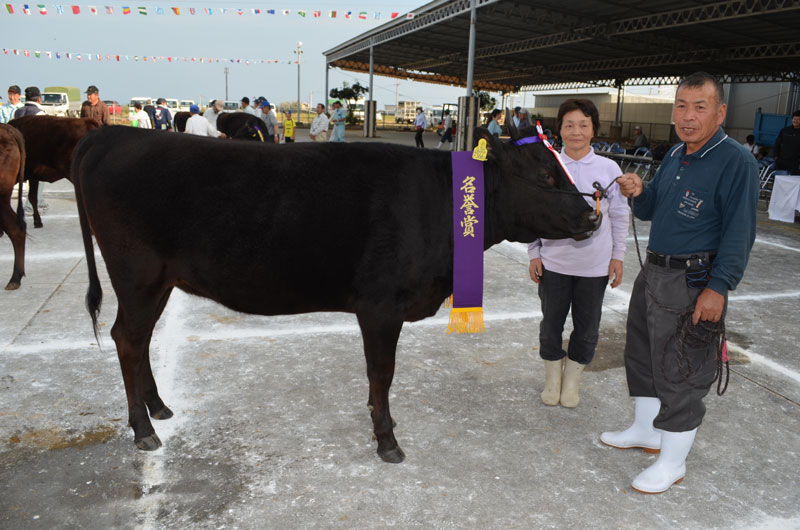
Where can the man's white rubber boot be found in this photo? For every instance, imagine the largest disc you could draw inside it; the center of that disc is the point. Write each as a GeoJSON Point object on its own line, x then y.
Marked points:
{"type": "Point", "coordinates": [640, 435]}
{"type": "Point", "coordinates": [570, 384]}
{"type": "Point", "coordinates": [552, 383]}
{"type": "Point", "coordinates": [670, 468]}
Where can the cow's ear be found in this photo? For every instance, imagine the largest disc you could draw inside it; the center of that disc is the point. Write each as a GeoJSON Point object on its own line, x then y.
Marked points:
{"type": "Point", "coordinates": [493, 144]}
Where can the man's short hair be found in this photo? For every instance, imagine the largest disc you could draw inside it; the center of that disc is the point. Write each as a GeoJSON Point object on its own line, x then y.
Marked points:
{"type": "Point", "coordinates": [585, 106]}
{"type": "Point", "coordinates": [796, 113]}
{"type": "Point", "coordinates": [159, 101]}
{"type": "Point", "coordinates": [751, 138]}
{"type": "Point", "coordinates": [699, 79]}
{"type": "Point", "coordinates": [517, 109]}
{"type": "Point", "coordinates": [32, 93]}
{"type": "Point", "coordinates": [14, 89]}
{"type": "Point", "coordinates": [137, 106]}
{"type": "Point", "coordinates": [321, 105]}
{"type": "Point", "coordinates": [246, 100]}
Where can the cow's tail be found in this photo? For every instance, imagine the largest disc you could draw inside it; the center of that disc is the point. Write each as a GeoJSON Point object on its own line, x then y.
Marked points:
{"type": "Point", "coordinates": [20, 178]}
{"type": "Point", "coordinates": [94, 295]}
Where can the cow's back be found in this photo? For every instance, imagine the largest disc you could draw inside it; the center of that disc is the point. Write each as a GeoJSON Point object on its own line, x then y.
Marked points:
{"type": "Point", "coordinates": [273, 229]}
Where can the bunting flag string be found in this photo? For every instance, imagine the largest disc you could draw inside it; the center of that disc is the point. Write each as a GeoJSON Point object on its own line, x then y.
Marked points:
{"type": "Point", "coordinates": [144, 58]}
{"type": "Point", "coordinates": [191, 11]}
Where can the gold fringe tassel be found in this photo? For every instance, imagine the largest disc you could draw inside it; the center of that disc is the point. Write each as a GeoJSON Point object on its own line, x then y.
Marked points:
{"type": "Point", "coordinates": [448, 302]}
{"type": "Point", "coordinates": [466, 320]}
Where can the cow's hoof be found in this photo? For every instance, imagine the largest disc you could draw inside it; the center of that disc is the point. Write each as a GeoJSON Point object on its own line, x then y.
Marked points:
{"type": "Point", "coordinates": [12, 286]}
{"type": "Point", "coordinates": [393, 456]}
{"type": "Point", "coordinates": [37, 225]}
{"type": "Point", "coordinates": [149, 443]}
{"type": "Point", "coordinates": [163, 414]}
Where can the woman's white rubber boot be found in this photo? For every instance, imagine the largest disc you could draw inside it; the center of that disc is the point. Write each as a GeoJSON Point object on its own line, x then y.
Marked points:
{"type": "Point", "coordinates": [640, 435]}
{"type": "Point", "coordinates": [670, 468]}
{"type": "Point", "coordinates": [552, 383]}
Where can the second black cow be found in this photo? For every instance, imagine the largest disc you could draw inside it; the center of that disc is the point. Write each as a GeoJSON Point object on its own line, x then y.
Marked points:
{"type": "Point", "coordinates": [364, 228]}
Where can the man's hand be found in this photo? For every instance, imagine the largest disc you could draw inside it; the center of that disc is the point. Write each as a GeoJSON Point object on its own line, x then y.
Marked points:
{"type": "Point", "coordinates": [709, 306]}
{"type": "Point", "coordinates": [615, 272]}
{"type": "Point", "coordinates": [630, 184]}
{"type": "Point", "coordinates": [535, 270]}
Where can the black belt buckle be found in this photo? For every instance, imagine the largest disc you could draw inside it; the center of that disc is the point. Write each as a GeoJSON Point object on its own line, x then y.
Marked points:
{"type": "Point", "coordinates": [698, 272]}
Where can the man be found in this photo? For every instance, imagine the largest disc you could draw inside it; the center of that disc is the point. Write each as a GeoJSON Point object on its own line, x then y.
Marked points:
{"type": "Point", "coordinates": [702, 203]}
{"type": "Point", "coordinates": [93, 107]}
{"type": "Point", "coordinates": [200, 126]}
{"type": "Point", "coordinates": [787, 146]}
{"type": "Point", "coordinates": [524, 118]}
{"type": "Point", "coordinates": [338, 120]}
{"type": "Point", "coordinates": [163, 117]}
{"type": "Point", "coordinates": [271, 122]}
{"type": "Point", "coordinates": [319, 125]}
{"type": "Point", "coordinates": [289, 127]}
{"type": "Point", "coordinates": [420, 124]}
{"type": "Point", "coordinates": [140, 118]}
{"type": "Point", "coordinates": [246, 108]}
{"type": "Point", "coordinates": [213, 111]}
{"type": "Point", "coordinates": [639, 140]}
{"type": "Point", "coordinates": [447, 130]}
{"type": "Point", "coordinates": [9, 108]}
{"type": "Point", "coordinates": [515, 116]}
{"type": "Point", "coordinates": [32, 107]}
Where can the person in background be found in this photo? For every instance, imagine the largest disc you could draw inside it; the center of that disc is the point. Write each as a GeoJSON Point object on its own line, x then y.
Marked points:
{"type": "Point", "coordinates": [494, 125]}
{"type": "Point", "coordinates": [163, 117]}
{"type": "Point", "coordinates": [524, 118]}
{"type": "Point", "coordinates": [750, 145]}
{"type": "Point", "coordinates": [32, 107]}
{"type": "Point", "coordinates": [246, 108]}
{"type": "Point", "coordinates": [93, 107]}
{"type": "Point", "coordinates": [212, 112]}
{"type": "Point", "coordinates": [574, 274]}
{"type": "Point", "coordinates": [338, 120]}
{"type": "Point", "coordinates": [8, 109]}
{"type": "Point", "coordinates": [271, 122]}
{"type": "Point", "coordinates": [702, 206]}
{"type": "Point", "coordinates": [140, 118]}
{"type": "Point", "coordinates": [319, 126]}
{"type": "Point", "coordinates": [787, 147]}
{"type": "Point", "coordinates": [289, 127]}
{"type": "Point", "coordinates": [199, 126]}
{"type": "Point", "coordinates": [420, 124]}
{"type": "Point", "coordinates": [515, 116]}
{"type": "Point", "coordinates": [447, 130]}
{"type": "Point", "coordinates": [639, 140]}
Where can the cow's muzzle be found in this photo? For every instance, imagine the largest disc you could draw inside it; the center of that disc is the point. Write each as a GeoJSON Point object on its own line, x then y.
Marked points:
{"type": "Point", "coordinates": [592, 223]}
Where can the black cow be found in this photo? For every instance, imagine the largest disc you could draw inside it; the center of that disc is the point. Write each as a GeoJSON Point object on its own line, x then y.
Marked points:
{"type": "Point", "coordinates": [12, 171]}
{"type": "Point", "coordinates": [180, 119]}
{"type": "Point", "coordinates": [379, 216]}
{"type": "Point", "coordinates": [241, 126]}
{"type": "Point", "coordinates": [49, 141]}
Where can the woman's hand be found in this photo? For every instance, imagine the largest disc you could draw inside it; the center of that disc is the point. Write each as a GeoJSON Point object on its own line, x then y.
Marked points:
{"type": "Point", "coordinates": [615, 272]}
{"type": "Point", "coordinates": [535, 270]}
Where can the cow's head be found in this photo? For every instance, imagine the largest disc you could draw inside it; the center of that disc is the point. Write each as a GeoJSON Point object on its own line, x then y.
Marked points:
{"type": "Point", "coordinates": [533, 197]}
{"type": "Point", "coordinates": [252, 130]}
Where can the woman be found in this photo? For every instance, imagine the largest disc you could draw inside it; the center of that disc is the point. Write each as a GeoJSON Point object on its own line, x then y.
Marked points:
{"type": "Point", "coordinates": [494, 126]}
{"type": "Point", "coordinates": [575, 273]}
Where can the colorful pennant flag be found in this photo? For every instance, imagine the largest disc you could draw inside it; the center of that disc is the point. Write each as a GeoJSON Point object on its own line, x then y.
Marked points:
{"type": "Point", "coordinates": [191, 11]}
{"type": "Point", "coordinates": [256, 11]}
{"type": "Point", "coordinates": [348, 14]}
{"type": "Point", "coordinates": [26, 9]}
{"type": "Point", "coordinates": [38, 54]}
{"type": "Point", "coordinates": [301, 13]}
{"type": "Point", "coordinates": [42, 9]}
{"type": "Point", "coordinates": [142, 10]}
{"type": "Point", "coordinates": [317, 14]}
{"type": "Point", "coordinates": [410, 16]}
{"type": "Point", "coordinates": [93, 10]}
{"type": "Point", "coordinates": [270, 11]}
{"type": "Point", "coordinates": [60, 9]}
{"type": "Point", "coordinates": [76, 10]}
{"type": "Point", "coordinates": [363, 15]}
{"type": "Point", "coordinates": [286, 12]}
{"type": "Point", "coordinates": [159, 11]}
{"type": "Point", "coordinates": [126, 10]}
{"type": "Point", "coordinates": [109, 10]}
{"type": "Point", "coordinates": [395, 14]}
{"type": "Point", "coordinates": [176, 10]}
{"type": "Point", "coordinates": [10, 9]}
{"type": "Point", "coordinates": [240, 11]}
{"type": "Point", "coordinates": [208, 11]}
{"type": "Point", "coordinates": [376, 15]}
{"type": "Point", "coordinates": [332, 14]}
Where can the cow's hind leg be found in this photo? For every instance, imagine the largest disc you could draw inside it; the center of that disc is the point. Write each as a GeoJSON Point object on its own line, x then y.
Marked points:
{"type": "Point", "coordinates": [16, 233]}
{"type": "Point", "coordinates": [380, 334]}
{"type": "Point", "coordinates": [137, 315]}
{"type": "Point", "coordinates": [33, 198]}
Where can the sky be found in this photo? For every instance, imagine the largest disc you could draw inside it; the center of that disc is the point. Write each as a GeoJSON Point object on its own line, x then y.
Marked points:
{"type": "Point", "coordinates": [246, 37]}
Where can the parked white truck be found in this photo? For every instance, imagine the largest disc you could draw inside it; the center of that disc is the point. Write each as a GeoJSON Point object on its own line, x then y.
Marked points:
{"type": "Point", "coordinates": [62, 101]}
{"type": "Point", "coordinates": [406, 111]}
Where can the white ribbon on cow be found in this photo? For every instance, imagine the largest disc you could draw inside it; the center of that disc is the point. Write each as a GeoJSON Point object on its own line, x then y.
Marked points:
{"type": "Point", "coordinates": [543, 138]}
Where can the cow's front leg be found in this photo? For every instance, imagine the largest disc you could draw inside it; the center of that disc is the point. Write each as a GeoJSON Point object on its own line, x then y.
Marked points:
{"type": "Point", "coordinates": [380, 334]}
{"type": "Point", "coordinates": [33, 198]}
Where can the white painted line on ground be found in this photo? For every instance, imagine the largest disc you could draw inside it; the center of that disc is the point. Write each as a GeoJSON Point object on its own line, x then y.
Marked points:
{"type": "Point", "coordinates": [757, 358]}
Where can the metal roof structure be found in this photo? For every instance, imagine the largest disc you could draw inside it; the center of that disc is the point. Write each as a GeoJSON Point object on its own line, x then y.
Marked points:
{"type": "Point", "coordinates": [550, 44]}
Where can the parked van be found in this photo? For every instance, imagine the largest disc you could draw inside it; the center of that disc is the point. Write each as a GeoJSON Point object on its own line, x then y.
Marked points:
{"type": "Point", "coordinates": [185, 104]}
{"type": "Point", "coordinates": [143, 101]}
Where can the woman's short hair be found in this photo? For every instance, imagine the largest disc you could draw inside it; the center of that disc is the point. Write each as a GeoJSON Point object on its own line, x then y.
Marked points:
{"type": "Point", "coordinates": [495, 112]}
{"type": "Point", "coordinates": [585, 106]}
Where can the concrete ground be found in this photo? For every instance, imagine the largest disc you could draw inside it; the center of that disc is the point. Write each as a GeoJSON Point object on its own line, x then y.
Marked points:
{"type": "Point", "coordinates": [271, 428]}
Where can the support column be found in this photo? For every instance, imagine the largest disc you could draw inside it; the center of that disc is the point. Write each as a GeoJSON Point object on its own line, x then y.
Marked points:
{"type": "Point", "coordinates": [370, 105]}
{"type": "Point", "coordinates": [466, 121]}
{"type": "Point", "coordinates": [325, 96]}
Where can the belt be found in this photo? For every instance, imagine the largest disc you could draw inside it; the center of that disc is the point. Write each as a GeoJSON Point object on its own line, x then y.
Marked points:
{"type": "Point", "coordinates": [678, 262]}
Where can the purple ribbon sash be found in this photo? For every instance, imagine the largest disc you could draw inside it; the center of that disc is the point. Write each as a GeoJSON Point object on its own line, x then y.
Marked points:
{"type": "Point", "coordinates": [468, 208]}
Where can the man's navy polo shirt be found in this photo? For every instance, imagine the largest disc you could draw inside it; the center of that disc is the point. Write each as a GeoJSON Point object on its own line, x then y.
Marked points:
{"type": "Point", "coordinates": [705, 202]}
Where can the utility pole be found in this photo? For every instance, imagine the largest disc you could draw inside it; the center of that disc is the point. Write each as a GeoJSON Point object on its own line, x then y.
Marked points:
{"type": "Point", "coordinates": [226, 83]}
{"type": "Point", "coordinates": [299, 52]}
